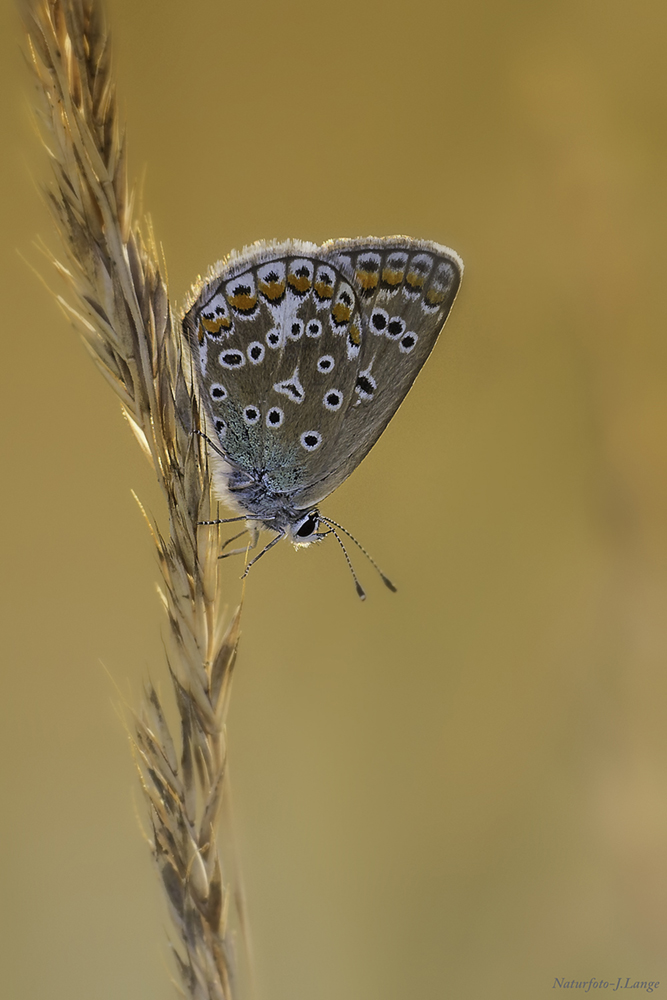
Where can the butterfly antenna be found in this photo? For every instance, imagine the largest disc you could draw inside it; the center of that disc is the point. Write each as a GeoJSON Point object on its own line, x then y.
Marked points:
{"type": "Point", "coordinates": [385, 579]}
{"type": "Point", "coordinates": [212, 444]}
{"type": "Point", "coordinates": [360, 590]}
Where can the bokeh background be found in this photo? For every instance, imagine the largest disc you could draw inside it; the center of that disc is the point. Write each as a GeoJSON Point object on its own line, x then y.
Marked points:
{"type": "Point", "coordinates": [459, 790]}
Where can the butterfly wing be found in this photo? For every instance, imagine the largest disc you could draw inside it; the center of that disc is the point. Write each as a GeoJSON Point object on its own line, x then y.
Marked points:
{"type": "Point", "coordinates": [405, 289]}
{"type": "Point", "coordinates": [275, 333]}
{"type": "Point", "coordinates": [297, 373]}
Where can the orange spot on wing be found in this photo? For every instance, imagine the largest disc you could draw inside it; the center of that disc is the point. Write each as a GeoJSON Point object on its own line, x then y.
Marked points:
{"type": "Point", "coordinates": [299, 282]}
{"type": "Point", "coordinates": [414, 279]}
{"type": "Point", "coordinates": [243, 302]}
{"type": "Point", "coordinates": [273, 290]}
{"type": "Point", "coordinates": [392, 277]}
{"type": "Point", "coordinates": [214, 324]}
{"type": "Point", "coordinates": [341, 313]}
{"type": "Point", "coordinates": [367, 279]}
{"type": "Point", "coordinates": [323, 291]}
{"type": "Point", "coordinates": [355, 332]}
{"type": "Point", "coordinates": [435, 296]}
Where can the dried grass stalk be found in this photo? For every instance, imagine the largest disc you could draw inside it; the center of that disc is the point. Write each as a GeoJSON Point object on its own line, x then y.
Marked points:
{"type": "Point", "coordinates": [121, 307]}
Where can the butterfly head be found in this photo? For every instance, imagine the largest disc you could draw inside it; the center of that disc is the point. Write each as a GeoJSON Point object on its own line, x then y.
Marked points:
{"type": "Point", "coordinates": [304, 530]}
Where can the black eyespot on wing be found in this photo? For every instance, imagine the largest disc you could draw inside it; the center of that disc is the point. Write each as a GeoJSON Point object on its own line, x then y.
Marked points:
{"type": "Point", "coordinates": [379, 320]}
{"type": "Point", "coordinates": [274, 417]}
{"type": "Point", "coordinates": [232, 359]}
{"type": "Point", "coordinates": [251, 415]}
{"type": "Point", "coordinates": [365, 386]}
{"type": "Point", "coordinates": [310, 440]}
{"type": "Point", "coordinates": [333, 399]}
{"type": "Point", "coordinates": [255, 352]}
{"type": "Point", "coordinates": [395, 328]}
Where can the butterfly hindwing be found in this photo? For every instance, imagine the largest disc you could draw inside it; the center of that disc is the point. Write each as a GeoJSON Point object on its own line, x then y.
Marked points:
{"type": "Point", "coordinates": [304, 353]}
{"type": "Point", "coordinates": [274, 334]}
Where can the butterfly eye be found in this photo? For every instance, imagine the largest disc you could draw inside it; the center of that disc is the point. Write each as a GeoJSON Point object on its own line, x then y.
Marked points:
{"type": "Point", "coordinates": [407, 343]}
{"type": "Point", "coordinates": [274, 417]}
{"type": "Point", "coordinates": [251, 415]}
{"type": "Point", "coordinates": [311, 440]}
{"type": "Point", "coordinates": [395, 328]}
{"type": "Point", "coordinates": [314, 328]}
{"type": "Point", "coordinates": [333, 399]}
{"type": "Point", "coordinates": [232, 359]}
{"type": "Point", "coordinates": [218, 392]}
{"type": "Point", "coordinates": [325, 364]}
{"type": "Point", "coordinates": [255, 352]}
{"type": "Point", "coordinates": [308, 526]}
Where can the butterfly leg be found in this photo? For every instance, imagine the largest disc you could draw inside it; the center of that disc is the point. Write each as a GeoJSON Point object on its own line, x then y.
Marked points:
{"type": "Point", "coordinates": [253, 531]}
{"type": "Point", "coordinates": [281, 534]}
{"type": "Point", "coordinates": [234, 552]}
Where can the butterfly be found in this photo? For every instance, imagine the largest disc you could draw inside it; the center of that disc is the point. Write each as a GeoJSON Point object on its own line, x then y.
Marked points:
{"type": "Point", "coordinates": [302, 354]}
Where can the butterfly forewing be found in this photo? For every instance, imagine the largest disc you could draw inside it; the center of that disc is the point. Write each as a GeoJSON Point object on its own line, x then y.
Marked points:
{"type": "Point", "coordinates": [406, 289]}
{"type": "Point", "coordinates": [304, 353]}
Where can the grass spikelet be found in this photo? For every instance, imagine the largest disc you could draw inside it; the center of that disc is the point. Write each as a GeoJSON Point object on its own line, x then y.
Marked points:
{"type": "Point", "coordinates": [118, 300]}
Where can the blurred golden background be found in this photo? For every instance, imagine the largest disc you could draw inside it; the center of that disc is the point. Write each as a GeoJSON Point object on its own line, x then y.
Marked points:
{"type": "Point", "coordinates": [459, 790]}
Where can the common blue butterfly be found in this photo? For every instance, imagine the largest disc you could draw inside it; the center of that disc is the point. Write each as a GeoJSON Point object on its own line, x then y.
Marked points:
{"type": "Point", "coordinates": [303, 354]}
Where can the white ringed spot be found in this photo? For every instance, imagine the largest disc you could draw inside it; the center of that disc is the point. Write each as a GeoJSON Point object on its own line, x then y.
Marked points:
{"type": "Point", "coordinates": [310, 440]}
{"type": "Point", "coordinates": [295, 331]}
{"type": "Point", "coordinates": [395, 328]}
{"type": "Point", "coordinates": [333, 399]}
{"type": "Point", "coordinates": [232, 359]}
{"type": "Point", "coordinates": [326, 364]}
{"type": "Point", "coordinates": [274, 417]}
{"type": "Point", "coordinates": [365, 385]}
{"type": "Point", "coordinates": [379, 321]}
{"type": "Point", "coordinates": [251, 415]}
{"type": "Point", "coordinates": [218, 392]}
{"type": "Point", "coordinates": [255, 352]}
{"type": "Point", "coordinates": [407, 343]}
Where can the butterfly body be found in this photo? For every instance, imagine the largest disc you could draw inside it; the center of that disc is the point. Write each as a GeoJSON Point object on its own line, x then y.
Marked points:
{"type": "Point", "coordinates": [302, 354]}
